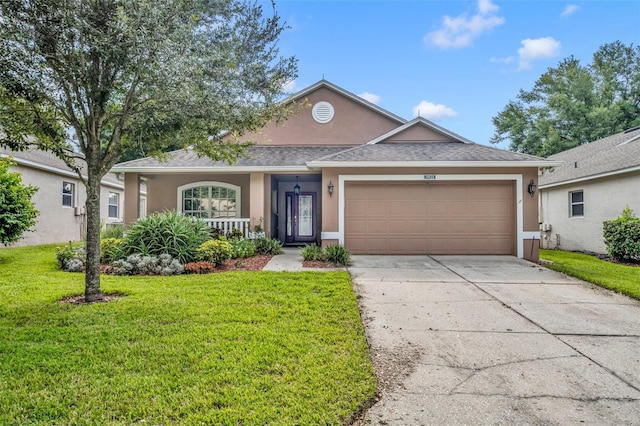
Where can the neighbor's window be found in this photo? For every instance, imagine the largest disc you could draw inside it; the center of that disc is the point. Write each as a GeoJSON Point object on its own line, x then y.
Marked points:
{"type": "Point", "coordinates": [576, 200]}
{"type": "Point", "coordinates": [211, 201]}
{"type": "Point", "coordinates": [68, 191]}
{"type": "Point", "coordinates": [114, 202]}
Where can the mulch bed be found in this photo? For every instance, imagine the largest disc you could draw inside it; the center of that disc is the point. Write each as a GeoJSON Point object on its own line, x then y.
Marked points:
{"type": "Point", "coordinates": [318, 264]}
{"type": "Point", "coordinates": [255, 263]}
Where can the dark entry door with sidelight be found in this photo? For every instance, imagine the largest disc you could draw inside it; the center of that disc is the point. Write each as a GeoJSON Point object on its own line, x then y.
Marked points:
{"type": "Point", "coordinates": [301, 217]}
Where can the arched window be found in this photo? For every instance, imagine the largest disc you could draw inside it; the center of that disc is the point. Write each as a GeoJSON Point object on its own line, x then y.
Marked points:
{"type": "Point", "coordinates": [209, 200]}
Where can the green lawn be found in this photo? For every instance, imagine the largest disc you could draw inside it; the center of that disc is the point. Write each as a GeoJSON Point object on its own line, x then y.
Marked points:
{"type": "Point", "coordinates": [622, 278]}
{"type": "Point", "coordinates": [251, 348]}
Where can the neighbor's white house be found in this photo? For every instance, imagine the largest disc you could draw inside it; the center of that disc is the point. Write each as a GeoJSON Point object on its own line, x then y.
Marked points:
{"type": "Point", "coordinates": [595, 183]}
{"type": "Point", "coordinates": [61, 198]}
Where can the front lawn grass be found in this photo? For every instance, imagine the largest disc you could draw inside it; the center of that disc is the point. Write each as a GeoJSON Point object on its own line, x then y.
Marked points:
{"type": "Point", "coordinates": [251, 348]}
{"type": "Point", "coordinates": [621, 278]}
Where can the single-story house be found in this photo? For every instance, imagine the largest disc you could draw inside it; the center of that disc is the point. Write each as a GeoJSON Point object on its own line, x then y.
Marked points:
{"type": "Point", "coordinates": [345, 171]}
{"type": "Point", "coordinates": [595, 182]}
{"type": "Point", "coordinates": [61, 197]}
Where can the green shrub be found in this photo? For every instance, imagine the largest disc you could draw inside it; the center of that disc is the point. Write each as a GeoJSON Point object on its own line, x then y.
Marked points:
{"type": "Point", "coordinates": [235, 233]}
{"type": "Point", "coordinates": [622, 236]}
{"type": "Point", "coordinates": [312, 252]}
{"type": "Point", "coordinates": [241, 249]}
{"type": "Point", "coordinates": [136, 264]}
{"type": "Point", "coordinates": [71, 258]}
{"type": "Point", "coordinates": [214, 251]}
{"type": "Point", "coordinates": [168, 232]}
{"type": "Point", "coordinates": [267, 246]}
{"type": "Point", "coordinates": [113, 231]}
{"type": "Point", "coordinates": [338, 255]}
{"type": "Point", "coordinates": [110, 249]}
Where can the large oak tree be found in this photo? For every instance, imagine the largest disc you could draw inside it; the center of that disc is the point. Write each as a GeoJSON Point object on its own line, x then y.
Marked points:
{"type": "Point", "coordinates": [573, 104]}
{"type": "Point", "coordinates": [92, 79]}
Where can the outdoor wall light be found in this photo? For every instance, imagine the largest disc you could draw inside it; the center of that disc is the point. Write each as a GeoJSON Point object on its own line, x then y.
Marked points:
{"type": "Point", "coordinates": [296, 189]}
{"type": "Point", "coordinates": [531, 189]}
{"type": "Point", "coordinates": [330, 188]}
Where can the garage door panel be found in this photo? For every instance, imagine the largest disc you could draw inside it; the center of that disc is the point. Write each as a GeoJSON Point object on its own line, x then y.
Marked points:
{"type": "Point", "coordinates": [397, 227]}
{"type": "Point", "coordinates": [357, 208]}
{"type": "Point", "coordinates": [430, 218]}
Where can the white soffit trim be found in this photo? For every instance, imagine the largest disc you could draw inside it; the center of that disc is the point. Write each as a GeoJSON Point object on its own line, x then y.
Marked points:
{"type": "Point", "coordinates": [520, 237]}
{"type": "Point", "coordinates": [592, 177]}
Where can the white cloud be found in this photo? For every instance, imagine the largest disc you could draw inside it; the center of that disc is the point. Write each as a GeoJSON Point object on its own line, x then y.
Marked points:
{"type": "Point", "coordinates": [462, 30]}
{"type": "Point", "coordinates": [290, 86]}
{"type": "Point", "coordinates": [539, 48]}
{"type": "Point", "coordinates": [432, 111]}
{"type": "Point", "coordinates": [506, 60]}
{"type": "Point", "coordinates": [570, 9]}
{"type": "Point", "coordinates": [374, 99]}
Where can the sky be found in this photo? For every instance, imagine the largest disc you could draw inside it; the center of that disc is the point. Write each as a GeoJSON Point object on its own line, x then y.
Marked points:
{"type": "Point", "coordinates": [456, 63]}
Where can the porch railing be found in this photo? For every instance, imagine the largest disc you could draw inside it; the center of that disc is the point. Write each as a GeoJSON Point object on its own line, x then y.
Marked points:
{"type": "Point", "coordinates": [227, 225]}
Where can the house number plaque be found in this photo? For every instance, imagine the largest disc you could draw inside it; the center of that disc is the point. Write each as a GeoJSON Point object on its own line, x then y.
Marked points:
{"type": "Point", "coordinates": [429, 177]}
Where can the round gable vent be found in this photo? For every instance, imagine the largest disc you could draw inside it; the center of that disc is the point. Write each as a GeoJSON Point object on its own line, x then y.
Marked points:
{"type": "Point", "coordinates": [322, 112]}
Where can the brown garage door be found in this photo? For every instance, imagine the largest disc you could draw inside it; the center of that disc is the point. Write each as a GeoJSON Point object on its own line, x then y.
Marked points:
{"type": "Point", "coordinates": [430, 217]}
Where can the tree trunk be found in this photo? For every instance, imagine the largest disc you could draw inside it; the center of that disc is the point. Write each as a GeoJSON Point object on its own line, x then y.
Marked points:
{"type": "Point", "coordinates": [92, 290]}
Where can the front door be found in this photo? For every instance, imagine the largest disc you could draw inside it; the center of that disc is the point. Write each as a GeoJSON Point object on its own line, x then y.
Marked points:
{"type": "Point", "coordinates": [301, 217]}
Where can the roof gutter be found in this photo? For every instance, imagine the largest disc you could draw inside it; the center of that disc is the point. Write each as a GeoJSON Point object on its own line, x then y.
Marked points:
{"type": "Point", "coordinates": [58, 171]}
{"type": "Point", "coordinates": [230, 169]}
{"type": "Point", "coordinates": [493, 164]}
{"type": "Point", "coordinates": [591, 177]}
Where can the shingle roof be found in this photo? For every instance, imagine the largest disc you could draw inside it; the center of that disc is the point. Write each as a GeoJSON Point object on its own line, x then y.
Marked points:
{"type": "Point", "coordinates": [37, 156]}
{"type": "Point", "coordinates": [53, 163]}
{"type": "Point", "coordinates": [264, 156]}
{"type": "Point", "coordinates": [615, 153]}
{"type": "Point", "coordinates": [257, 156]}
{"type": "Point", "coordinates": [425, 152]}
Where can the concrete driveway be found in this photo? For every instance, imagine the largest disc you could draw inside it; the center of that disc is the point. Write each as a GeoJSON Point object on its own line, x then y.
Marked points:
{"type": "Point", "coordinates": [496, 340]}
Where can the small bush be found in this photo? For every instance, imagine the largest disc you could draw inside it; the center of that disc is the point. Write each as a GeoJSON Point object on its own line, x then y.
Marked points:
{"type": "Point", "coordinates": [110, 249]}
{"type": "Point", "coordinates": [312, 252]}
{"type": "Point", "coordinates": [241, 249]}
{"type": "Point", "coordinates": [65, 255]}
{"type": "Point", "coordinates": [112, 231]}
{"type": "Point", "coordinates": [622, 237]}
{"type": "Point", "coordinates": [136, 264]}
{"type": "Point", "coordinates": [267, 246]}
{"type": "Point", "coordinates": [169, 232]}
{"type": "Point", "coordinates": [214, 251]}
{"type": "Point", "coordinates": [338, 255]}
{"type": "Point", "coordinates": [235, 233]}
{"type": "Point", "coordinates": [198, 267]}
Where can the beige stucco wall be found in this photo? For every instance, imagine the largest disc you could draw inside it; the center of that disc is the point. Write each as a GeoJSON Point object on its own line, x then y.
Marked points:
{"type": "Point", "coordinates": [419, 134]}
{"type": "Point", "coordinates": [162, 190]}
{"type": "Point", "coordinates": [57, 223]}
{"type": "Point", "coordinates": [604, 199]}
{"type": "Point", "coordinates": [352, 124]}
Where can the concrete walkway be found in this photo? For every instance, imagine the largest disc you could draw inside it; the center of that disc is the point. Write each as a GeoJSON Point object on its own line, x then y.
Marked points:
{"type": "Point", "coordinates": [481, 340]}
{"type": "Point", "coordinates": [291, 260]}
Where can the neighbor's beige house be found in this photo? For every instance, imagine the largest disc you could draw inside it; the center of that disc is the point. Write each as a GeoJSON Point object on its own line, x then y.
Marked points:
{"type": "Point", "coordinates": [346, 171]}
{"type": "Point", "coordinates": [61, 197]}
{"type": "Point", "coordinates": [594, 183]}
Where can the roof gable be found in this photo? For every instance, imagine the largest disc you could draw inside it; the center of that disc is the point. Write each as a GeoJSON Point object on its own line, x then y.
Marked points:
{"type": "Point", "coordinates": [344, 128]}
{"type": "Point", "coordinates": [419, 130]}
